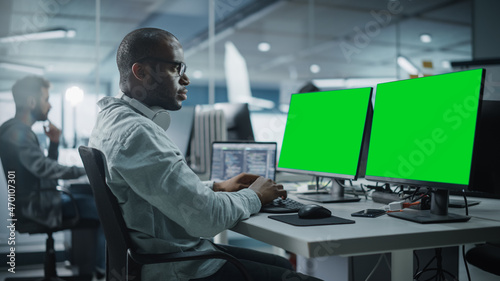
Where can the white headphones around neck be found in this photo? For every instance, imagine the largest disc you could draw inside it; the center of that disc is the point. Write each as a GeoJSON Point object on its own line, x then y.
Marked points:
{"type": "Point", "coordinates": [157, 114]}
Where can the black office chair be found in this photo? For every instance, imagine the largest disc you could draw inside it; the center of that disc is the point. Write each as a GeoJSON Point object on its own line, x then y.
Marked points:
{"type": "Point", "coordinates": [25, 225]}
{"type": "Point", "coordinates": [121, 256]}
{"type": "Point", "coordinates": [485, 257]}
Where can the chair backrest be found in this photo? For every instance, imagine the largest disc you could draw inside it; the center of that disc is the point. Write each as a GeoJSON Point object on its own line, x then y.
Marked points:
{"type": "Point", "coordinates": [485, 257]}
{"type": "Point", "coordinates": [117, 238]}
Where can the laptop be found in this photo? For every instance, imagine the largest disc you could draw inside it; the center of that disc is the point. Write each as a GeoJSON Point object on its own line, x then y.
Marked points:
{"type": "Point", "coordinates": [232, 158]}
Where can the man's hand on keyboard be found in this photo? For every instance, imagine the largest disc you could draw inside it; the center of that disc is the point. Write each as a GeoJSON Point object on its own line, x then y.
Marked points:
{"type": "Point", "coordinates": [267, 190]}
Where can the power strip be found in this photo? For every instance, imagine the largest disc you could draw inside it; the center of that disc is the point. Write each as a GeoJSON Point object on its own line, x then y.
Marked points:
{"type": "Point", "coordinates": [385, 197]}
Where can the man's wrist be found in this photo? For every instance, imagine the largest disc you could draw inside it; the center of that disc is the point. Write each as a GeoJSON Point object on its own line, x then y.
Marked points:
{"type": "Point", "coordinates": [216, 186]}
{"type": "Point", "coordinates": [258, 195]}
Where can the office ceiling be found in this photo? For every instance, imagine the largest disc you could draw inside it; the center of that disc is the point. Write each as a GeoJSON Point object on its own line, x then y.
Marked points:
{"type": "Point", "coordinates": [345, 38]}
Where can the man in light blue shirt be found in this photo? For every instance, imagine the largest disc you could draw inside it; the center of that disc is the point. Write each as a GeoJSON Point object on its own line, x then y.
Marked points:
{"type": "Point", "coordinates": [165, 205]}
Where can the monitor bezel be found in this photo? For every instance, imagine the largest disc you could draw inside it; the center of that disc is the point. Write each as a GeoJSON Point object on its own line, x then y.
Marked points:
{"type": "Point", "coordinates": [433, 184]}
{"type": "Point", "coordinates": [365, 137]}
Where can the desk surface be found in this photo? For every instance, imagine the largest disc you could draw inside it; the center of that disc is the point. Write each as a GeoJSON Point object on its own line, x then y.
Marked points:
{"type": "Point", "coordinates": [373, 235]}
{"type": "Point", "coordinates": [487, 208]}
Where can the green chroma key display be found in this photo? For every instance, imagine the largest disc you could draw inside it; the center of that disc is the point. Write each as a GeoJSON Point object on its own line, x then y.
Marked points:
{"type": "Point", "coordinates": [324, 132]}
{"type": "Point", "coordinates": [423, 129]}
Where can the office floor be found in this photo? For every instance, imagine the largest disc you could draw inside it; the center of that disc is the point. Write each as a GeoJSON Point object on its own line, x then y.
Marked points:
{"type": "Point", "coordinates": [37, 271]}
{"type": "Point", "coordinates": [235, 239]}
{"type": "Point", "coordinates": [36, 243]}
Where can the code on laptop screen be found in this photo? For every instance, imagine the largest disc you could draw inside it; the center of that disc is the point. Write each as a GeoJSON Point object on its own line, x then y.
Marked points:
{"type": "Point", "coordinates": [230, 159]}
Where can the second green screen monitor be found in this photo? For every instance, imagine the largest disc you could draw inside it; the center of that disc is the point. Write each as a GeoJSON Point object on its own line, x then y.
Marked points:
{"type": "Point", "coordinates": [324, 133]}
{"type": "Point", "coordinates": [423, 130]}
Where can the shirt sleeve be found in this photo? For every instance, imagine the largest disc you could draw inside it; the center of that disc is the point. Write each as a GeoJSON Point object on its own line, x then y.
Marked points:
{"type": "Point", "coordinates": [53, 151]}
{"type": "Point", "coordinates": [209, 184]}
{"type": "Point", "coordinates": [33, 159]}
{"type": "Point", "coordinates": [160, 176]}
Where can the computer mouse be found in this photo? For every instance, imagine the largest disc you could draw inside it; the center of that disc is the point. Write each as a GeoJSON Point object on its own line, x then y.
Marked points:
{"type": "Point", "coordinates": [313, 211]}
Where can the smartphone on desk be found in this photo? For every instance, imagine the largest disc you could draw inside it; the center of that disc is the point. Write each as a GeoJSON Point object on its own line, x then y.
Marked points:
{"type": "Point", "coordinates": [369, 213]}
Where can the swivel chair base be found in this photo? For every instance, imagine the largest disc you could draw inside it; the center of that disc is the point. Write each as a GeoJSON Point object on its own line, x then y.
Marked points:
{"type": "Point", "coordinates": [50, 267]}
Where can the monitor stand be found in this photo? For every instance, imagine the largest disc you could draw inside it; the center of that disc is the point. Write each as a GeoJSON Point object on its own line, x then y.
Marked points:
{"type": "Point", "coordinates": [437, 214]}
{"type": "Point", "coordinates": [336, 194]}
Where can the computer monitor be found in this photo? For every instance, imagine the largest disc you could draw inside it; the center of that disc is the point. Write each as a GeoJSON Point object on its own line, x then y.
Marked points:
{"type": "Point", "coordinates": [217, 122]}
{"type": "Point", "coordinates": [324, 135]}
{"type": "Point", "coordinates": [239, 125]}
{"type": "Point", "coordinates": [485, 178]}
{"type": "Point", "coordinates": [423, 135]}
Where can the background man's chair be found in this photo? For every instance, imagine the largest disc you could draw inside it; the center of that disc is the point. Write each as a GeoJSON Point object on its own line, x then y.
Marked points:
{"type": "Point", "coordinates": [24, 225]}
{"type": "Point", "coordinates": [485, 257]}
{"type": "Point", "coordinates": [122, 260]}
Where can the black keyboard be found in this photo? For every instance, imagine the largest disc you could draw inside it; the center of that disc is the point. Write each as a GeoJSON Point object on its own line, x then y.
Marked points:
{"type": "Point", "coordinates": [282, 206]}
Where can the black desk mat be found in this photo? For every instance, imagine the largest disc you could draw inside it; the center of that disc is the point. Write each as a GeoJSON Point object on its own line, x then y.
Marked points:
{"type": "Point", "coordinates": [295, 220]}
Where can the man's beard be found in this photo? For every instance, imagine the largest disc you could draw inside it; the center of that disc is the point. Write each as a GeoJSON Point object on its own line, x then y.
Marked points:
{"type": "Point", "coordinates": [38, 115]}
{"type": "Point", "coordinates": [167, 102]}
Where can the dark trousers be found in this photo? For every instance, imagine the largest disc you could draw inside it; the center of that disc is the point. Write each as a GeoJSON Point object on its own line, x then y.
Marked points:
{"type": "Point", "coordinates": [87, 209]}
{"type": "Point", "coordinates": [261, 266]}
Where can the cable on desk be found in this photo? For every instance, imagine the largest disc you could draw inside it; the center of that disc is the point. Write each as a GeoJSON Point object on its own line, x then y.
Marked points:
{"type": "Point", "coordinates": [339, 183]}
{"type": "Point", "coordinates": [319, 183]}
{"type": "Point", "coordinates": [324, 185]}
{"type": "Point", "coordinates": [412, 196]}
{"type": "Point", "coordinates": [363, 190]}
{"type": "Point", "coordinates": [466, 204]}
{"type": "Point", "coordinates": [353, 190]}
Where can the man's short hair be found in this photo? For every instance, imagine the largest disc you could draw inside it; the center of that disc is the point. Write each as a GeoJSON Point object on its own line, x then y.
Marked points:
{"type": "Point", "coordinates": [29, 86]}
{"type": "Point", "coordinates": [136, 45]}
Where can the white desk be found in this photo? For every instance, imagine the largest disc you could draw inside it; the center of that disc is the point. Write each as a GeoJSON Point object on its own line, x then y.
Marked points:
{"type": "Point", "coordinates": [375, 235]}
{"type": "Point", "coordinates": [487, 209]}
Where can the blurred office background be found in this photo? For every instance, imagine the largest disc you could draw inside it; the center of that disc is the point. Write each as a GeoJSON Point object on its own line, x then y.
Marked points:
{"type": "Point", "coordinates": [283, 45]}
{"type": "Point", "coordinates": [253, 51]}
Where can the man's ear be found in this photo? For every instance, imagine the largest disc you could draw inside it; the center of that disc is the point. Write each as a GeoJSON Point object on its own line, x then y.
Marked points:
{"type": "Point", "coordinates": [31, 102]}
{"type": "Point", "coordinates": [139, 71]}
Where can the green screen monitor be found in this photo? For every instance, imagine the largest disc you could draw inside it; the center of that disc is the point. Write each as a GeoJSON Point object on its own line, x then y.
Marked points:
{"type": "Point", "coordinates": [324, 136]}
{"type": "Point", "coordinates": [423, 134]}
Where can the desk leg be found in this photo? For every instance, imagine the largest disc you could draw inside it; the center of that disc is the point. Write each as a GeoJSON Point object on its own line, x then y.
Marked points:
{"type": "Point", "coordinates": [402, 265]}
